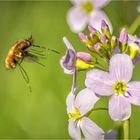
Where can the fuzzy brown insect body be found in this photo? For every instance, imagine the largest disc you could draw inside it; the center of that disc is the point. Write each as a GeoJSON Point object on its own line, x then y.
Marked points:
{"type": "Point", "coordinates": [17, 53]}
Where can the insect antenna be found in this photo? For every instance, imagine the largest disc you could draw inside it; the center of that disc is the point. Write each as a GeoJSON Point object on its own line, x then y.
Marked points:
{"type": "Point", "coordinates": [25, 76]}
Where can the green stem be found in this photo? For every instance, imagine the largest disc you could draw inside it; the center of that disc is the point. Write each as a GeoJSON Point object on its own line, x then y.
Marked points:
{"type": "Point", "coordinates": [97, 109]}
{"type": "Point", "coordinates": [126, 129]}
{"type": "Point", "coordinates": [100, 109]}
{"type": "Point", "coordinates": [134, 25]}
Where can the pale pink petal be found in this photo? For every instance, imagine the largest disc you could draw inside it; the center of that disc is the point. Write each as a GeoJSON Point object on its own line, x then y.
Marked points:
{"type": "Point", "coordinates": [77, 20]}
{"type": "Point", "coordinates": [100, 3]}
{"type": "Point", "coordinates": [119, 108]}
{"type": "Point", "coordinates": [67, 62]}
{"type": "Point", "coordinates": [84, 56]}
{"type": "Point", "coordinates": [90, 130]}
{"type": "Point", "coordinates": [74, 2]}
{"type": "Point", "coordinates": [121, 67]}
{"type": "Point", "coordinates": [78, 2]}
{"type": "Point", "coordinates": [67, 70]}
{"type": "Point", "coordinates": [70, 102]}
{"type": "Point", "coordinates": [85, 100]}
{"type": "Point", "coordinates": [138, 8]}
{"type": "Point", "coordinates": [99, 82]}
{"type": "Point", "coordinates": [134, 92]}
{"type": "Point", "coordinates": [68, 44]}
{"type": "Point", "coordinates": [133, 39]}
{"type": "Point", "coordinates": [95, 20]}
{"type": "Point", "coordinates": [111, 135]}
{"type": "Point", "coordinates": [74, 130]}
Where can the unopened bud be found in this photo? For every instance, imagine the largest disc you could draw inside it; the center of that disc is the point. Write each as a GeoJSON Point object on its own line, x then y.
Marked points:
{"type": "Point", "coordinates": [123, 36]}
{"type": "Point", "coordinates": [91, 29]}
{"type": "Point", "coordinates": [103, 39]}
{"type": "Point", "coordinates": [113, 41]}
{"type": "Point", "coordinates": [86, 57]}
{"type": "Point", "coordinates": [91, 48]}
{"type": "Point", "coordinates": [94, 38]}
{"type": "Point", "coordinates": [123, 40]}
{"type": "Point", "coordinates": [83, 37]}
{"type": "Point", "coordinates": [82, 65]}
{"type": "Point", "coordinates": [100, 49]}
{"type": "Point", "coordinates": [105, 29]}
{"type": "Point", "coordinates": [97, 47]}
{"type": "Point", "coordinates": [134, 49]}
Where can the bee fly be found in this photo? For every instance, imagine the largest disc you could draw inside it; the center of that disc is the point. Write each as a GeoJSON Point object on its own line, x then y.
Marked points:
{"type": "Point", "coordinates": [21, 50]}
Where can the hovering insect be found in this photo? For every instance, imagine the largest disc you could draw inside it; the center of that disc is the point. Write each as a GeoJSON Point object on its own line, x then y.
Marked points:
{"type": "Point", "coordinates": [21, 50]}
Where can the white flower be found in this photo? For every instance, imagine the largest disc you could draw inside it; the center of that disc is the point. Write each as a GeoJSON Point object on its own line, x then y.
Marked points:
{"type": "Point", "coordinates": [133, 39]}
{"type": "Point", "coordinates": [87, 12]}
{"type": "Point", "coordinates": [77, 107]}
{"type": "Point", "coordinates": [117, 84]}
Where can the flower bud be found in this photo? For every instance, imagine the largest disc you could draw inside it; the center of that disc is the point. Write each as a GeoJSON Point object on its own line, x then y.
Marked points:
{"type": "Point", "coordinates": [83, 37]}
{"type": "Point", "coordinates": [86, 57]}
{"type": "Point", "coordinates": [123, 40]}
{"type": "Point", "coordinates": [113, 41]}
{"type": "Point", "coordinates": [82, 65]}
{"type": "Point", "coordinates": [97, 47]}
{"type": "Point", "coordinates": [105, 29]}
{"type": "Point", "coordinates": [103, 39]}
{"type": "Point", "coordinates": [91, 48]}
{"type": "Point", "coordinates": [123, 36]}
{"type": "Point", "coordinates": [94, 38]}
{"type": "Point", "coordinates": [100, 49]}
{"type": "Point", "coordinates": [134, 49]}
{"type": "Point", "coordinates": [91, 29]}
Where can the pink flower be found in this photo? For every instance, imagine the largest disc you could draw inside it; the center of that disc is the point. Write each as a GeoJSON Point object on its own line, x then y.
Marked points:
{"type": "Point", "coordinates": [116, 83]}
{"type": "Point", "coordinates": [87, 12]}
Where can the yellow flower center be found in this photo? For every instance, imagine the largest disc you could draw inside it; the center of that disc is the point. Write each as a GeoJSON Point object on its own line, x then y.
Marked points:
{"type": "Point", "coordinates": [75, 114]}
{"type": "Point", "coordinates": [120, 88]}
{"type": "Point", "coordinates": [87, 7]}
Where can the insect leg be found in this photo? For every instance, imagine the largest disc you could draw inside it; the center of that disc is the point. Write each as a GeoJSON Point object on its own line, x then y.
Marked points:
{"type": "Point", "coordinates": [54, 51]}
{"type": "Point", "coordinates": [47, 49]}
{"type": "Point", "coordinates": [36, 52]}
{"type": "Point", "coordinates": [39, 46]}
{"type": "Point", "coordinates": [39, 63]}
{"type": "Point", "coordinates": [25, 76]}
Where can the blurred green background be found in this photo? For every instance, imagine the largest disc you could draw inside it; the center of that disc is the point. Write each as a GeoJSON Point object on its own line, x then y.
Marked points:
{"type": "Point", "coordinates": [42, 113]}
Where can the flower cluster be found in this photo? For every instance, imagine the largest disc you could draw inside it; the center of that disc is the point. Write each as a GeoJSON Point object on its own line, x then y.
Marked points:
{"type": "Point", "coordinates": [110, 62]}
